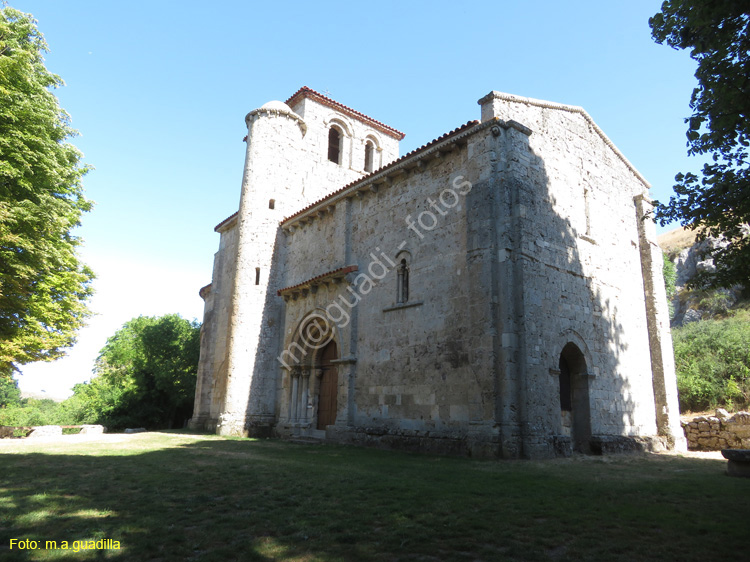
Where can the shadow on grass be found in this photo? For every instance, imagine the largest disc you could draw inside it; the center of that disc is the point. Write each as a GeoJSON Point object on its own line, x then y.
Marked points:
{"type": "Point", "coordinates": [175, 497]}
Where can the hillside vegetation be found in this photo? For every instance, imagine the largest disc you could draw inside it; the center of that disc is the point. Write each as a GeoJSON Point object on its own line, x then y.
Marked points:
{"type": "Point", "coordinates": [711, 332]}
{"type": "Point", "coordinates": [712, 358]}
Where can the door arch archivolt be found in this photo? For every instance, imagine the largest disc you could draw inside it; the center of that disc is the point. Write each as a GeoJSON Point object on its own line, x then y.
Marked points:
{"type": "Point", "coordinates": [316, 343]}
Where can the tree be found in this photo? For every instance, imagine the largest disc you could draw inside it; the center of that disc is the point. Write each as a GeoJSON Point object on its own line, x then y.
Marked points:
{"type": "Point", "coordinates": [10, 394]}
{"type": "Point", "coordinates": [43, 285]}
{"type": "Point", "coordinates": [718, 203]}
{"type": "Point", "coordinates": [145, 374]}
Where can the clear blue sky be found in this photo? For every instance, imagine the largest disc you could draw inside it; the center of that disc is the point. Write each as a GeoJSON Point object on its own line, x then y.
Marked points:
{"type": "Point", "coordinates": [159, 91]}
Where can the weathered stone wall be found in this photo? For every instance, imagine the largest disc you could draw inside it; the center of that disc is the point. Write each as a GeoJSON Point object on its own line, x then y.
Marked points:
{"type": "Point", "coordinates": [422, 368]}
{"type": "Point", "coordinates": [721, 431]}
{"type": "Point", "coordinates": [319, 176]}
{"type": "Point", "coordinates": [578, 268]}
{"type": "Point", "coordinates": [212, 367]}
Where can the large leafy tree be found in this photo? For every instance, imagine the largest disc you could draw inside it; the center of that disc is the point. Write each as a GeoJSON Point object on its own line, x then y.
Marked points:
{"type": "Point", "coordinates": [43, 285]}
{"type": "Point", "coordinates": [145, 374]}
{"type": "Point", "coordinates": [717, 202]}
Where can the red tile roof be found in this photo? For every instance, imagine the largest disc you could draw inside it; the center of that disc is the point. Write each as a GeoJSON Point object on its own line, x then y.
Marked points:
{"type": "Point", "coordinates": [441, 138]}
{"type": "Point", "coordinates": [340, 272]}
{"type": "Point", "coordinates": [305, 92]}
{"type": "Point", "coordinates": [225, 221]}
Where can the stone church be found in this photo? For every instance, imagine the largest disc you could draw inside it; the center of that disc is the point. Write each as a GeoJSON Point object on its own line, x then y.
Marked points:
{"type": "Point", "coordinates": [496, 292]}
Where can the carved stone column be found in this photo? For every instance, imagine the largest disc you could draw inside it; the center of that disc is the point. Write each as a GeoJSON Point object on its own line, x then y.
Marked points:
{"type": "Point", "coordinates": [305, 393]}
{"type": "Point", "coordinates": [293, 399]}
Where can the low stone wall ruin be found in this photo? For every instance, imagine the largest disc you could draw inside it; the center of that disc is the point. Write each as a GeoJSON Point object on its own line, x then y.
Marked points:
{"type": "Point", "coordinates": [10, 432]}
{"type": "Point", "coordinates": [720, 431]}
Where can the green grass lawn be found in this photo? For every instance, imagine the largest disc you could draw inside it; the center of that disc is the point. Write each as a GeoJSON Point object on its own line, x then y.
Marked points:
{"type": "Point", "coordinates": [174, 496]}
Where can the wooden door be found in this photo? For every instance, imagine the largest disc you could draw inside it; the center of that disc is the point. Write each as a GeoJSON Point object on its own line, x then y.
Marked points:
{"type": "Point", "coordinates": [328, 388]}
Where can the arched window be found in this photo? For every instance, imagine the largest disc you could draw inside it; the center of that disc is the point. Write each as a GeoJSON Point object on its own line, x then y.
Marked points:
{"type": "Point", "coordinates": [369, 153]}
{"type": "Point", "coordinates": [334, 145]}
{"type": "Point", "coordinates": [402, 288]}
{"type": "Point", "coordinates": [272, 203]}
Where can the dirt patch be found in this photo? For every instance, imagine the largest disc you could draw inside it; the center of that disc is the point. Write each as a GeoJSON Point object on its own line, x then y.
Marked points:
{"type": "Point", "coordinates": [688, 416]}
{"type": "Point", "coordinates": [676, 240]}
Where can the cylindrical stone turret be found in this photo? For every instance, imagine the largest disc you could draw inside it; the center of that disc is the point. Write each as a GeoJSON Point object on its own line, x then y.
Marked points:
{"type": "Point", "coordinates": [274, 135]}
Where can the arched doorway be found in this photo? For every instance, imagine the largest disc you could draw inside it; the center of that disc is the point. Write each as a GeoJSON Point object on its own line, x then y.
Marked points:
{"type": "Point", "coordinates": [574, 397]}
{"type": "Point", "coordinates": [328, 386]}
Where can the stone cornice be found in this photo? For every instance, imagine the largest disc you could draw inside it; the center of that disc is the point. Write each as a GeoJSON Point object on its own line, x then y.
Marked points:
{"type": "Point", "coordinates": [276, 111]}
{"type": "Point", "coordinates": [227, 223]}
{"type": "Point", "coordinates": [335, 276]}
{"type": "Point", "coordinates": [205, 291]}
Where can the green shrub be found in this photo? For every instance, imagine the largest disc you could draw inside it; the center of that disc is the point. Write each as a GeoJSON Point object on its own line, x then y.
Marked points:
{"type": "Point", "coordinates": [716, 302]}
{"type": "Point", "coordinates": [712, 358]}
{"type": "Point", "coordinates": [670, 279]}
{"type": "Point", "coordinates": [31, 411]}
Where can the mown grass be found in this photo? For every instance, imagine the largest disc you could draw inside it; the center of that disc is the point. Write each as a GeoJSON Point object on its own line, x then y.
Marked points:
{"type": "Point", "coordinates": [180, 497]}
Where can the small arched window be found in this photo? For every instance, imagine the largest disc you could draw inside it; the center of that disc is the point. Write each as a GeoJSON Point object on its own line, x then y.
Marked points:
{"type": "Point", "coordinates": [369, 154]}
{"type": "Point", "coordinates": [334, 145]}
{"type": "Point", "coordinates": [272, 203]}
{"type": "Point", "coordinates": [402, 288]}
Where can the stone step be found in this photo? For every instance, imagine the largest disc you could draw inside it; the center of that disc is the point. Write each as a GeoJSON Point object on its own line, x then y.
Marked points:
{"type": "Point", "coordinates": [305, 441]}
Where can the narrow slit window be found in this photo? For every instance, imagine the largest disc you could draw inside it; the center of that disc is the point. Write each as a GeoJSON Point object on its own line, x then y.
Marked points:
{"type": "Point", "coordinates": [402, 295]}
{"type": "Point", "coordinates": [334, 145]}
{"type": "Point", "coordinates": [257, 276]}
{"type": "Point", "coordinates": [369, 151]}
{"type": "Point", "coordinates": [587, 210]}
{"type": "Point", "coordinates": [272, 204]}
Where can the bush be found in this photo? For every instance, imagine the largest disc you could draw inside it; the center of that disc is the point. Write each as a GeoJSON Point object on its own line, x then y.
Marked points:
{"type": "Point", "coordinates": [669, 270]}
{"type": "Point", "coordinates": [712, 358]}
{"type": "Point", "coordinates": [31, 411]}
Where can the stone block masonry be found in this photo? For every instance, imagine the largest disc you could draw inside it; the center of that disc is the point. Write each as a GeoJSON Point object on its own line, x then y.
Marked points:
{"type": "Point", "coordinates": [720, 431]}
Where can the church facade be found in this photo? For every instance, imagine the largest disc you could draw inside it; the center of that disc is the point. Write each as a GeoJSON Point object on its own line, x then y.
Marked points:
{"type": "Point", "coordinates": [497, 292]}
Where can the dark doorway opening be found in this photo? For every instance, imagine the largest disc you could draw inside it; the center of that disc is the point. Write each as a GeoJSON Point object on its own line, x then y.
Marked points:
{"type": "Point", "coordinates": [574, 397]}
